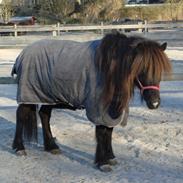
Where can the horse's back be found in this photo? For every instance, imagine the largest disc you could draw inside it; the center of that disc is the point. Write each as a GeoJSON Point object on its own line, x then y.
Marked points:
{"type": "Point", "coordinates": [54, 50]}
{"type": "Point", "coordinates": [50, 71]}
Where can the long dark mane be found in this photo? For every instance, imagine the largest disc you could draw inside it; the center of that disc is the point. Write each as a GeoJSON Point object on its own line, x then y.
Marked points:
{"type": "Point", "coordinates": [121, 59]}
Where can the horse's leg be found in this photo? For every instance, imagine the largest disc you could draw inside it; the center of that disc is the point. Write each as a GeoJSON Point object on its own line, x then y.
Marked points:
{"type": "Point", "coordinates": [49, 141]}
{"type": "Point", "coordinates": [104, 154]}
{"type": "Point", "coordinates": [25, 123]}
{"type": "Point", "coordinates": [18, 140]}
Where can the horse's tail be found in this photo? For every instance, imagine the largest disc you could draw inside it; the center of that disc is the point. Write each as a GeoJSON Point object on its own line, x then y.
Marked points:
{"type": "Point", "coordinates": [13, 71]}
{"type": "Point", "coordinates": [29, 122]}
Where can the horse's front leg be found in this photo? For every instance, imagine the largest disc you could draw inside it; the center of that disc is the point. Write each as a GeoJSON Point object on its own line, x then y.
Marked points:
{"type": "Point", "coordinates": [49, 141]}
{"type": "Point", "coordinates": [104, 154]}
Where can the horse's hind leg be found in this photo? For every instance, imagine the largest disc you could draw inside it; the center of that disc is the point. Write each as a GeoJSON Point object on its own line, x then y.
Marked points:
{"type": "Point", "coordinates": [18, 140]}
{"type": "Point", "coordinates": [49, 141]}
{"type": "Point", "coordinates": [104, 154]}
{"type": "Point", "coordinates": [25, 123]}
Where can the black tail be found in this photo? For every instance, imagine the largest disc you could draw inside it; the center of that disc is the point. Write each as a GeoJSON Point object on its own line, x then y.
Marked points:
{"type": "Point", "coordinates": [30, 122]}
{"type": "Point", "coordinates": [13, 71]}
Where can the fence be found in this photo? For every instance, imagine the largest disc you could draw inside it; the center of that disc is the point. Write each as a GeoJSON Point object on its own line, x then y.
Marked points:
{"type": "Point", "coordinates": [58, 28]}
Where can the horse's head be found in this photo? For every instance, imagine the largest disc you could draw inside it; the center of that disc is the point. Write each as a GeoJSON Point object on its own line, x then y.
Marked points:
{"type": "Point", "coordinates": [151, 62]}
{"type": "Point", "coordinates": [125, 62]}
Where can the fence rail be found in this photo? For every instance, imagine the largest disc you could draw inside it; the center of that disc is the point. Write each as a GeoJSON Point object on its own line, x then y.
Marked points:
{"type": "Point", "coordinates": [57, 28]}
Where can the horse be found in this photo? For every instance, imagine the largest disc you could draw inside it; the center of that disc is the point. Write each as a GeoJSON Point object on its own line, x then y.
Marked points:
{"type": "Point", "coordinates": [99, 76]}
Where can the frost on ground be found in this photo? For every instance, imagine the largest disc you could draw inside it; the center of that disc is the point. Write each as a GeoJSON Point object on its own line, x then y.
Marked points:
{"type": "Point", "coordinates": [149, 149]}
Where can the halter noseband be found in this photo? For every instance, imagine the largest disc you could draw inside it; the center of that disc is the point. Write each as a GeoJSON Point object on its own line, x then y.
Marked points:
{"type": "Point", "coordinates": [152, 87]}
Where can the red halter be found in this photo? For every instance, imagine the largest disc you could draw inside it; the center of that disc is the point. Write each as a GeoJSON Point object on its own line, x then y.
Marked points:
{"type": "Point", "coordinates": [142, 88]}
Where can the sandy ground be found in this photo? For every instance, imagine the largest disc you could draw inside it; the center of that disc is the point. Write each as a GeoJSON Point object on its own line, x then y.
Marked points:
{"type": "Point", "coordinates": [149, 149]}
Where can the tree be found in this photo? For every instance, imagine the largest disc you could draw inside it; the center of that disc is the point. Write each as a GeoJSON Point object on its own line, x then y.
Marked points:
{"type": "Point", "coordinates": [6, 10]}
{"type": "Point", "coordinates": [102, 10]}
{"type": "Point", "coordinates": [57, 9]}
{"type": "Point", "coordinates": [174, 7]}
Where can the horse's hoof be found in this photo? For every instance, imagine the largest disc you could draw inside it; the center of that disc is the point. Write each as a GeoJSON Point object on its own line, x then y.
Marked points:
{"type": "Point", "coordinates": [105, 168]}
{"type": "Point", "coordinates": [21, 153]}
{"type": "Point", "coordinates": [112, 162]}
{"type": "Point", "coordinates": [55, 151]}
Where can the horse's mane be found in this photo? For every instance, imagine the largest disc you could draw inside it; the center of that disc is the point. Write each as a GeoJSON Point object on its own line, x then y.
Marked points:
{"type": "Point", "coordinates": [120, 59]}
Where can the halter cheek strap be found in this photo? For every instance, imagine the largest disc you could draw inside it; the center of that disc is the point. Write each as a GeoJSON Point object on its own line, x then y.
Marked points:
{"type": "Point", "coordinates": [151, 87]}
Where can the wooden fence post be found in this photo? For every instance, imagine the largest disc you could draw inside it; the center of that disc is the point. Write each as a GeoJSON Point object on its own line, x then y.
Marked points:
{"type": "Point", "coordinates": [15, 30]}
{"type": "Point", "coordinates": [54, 32]}
{"type": "Point", "coordinates": [146, 29]}
{"type": "Point", "coordinates": [102, 29]}
{"type": "Point", "coordinates": [58, 29]}
{"type": "Point", "coordinates": [140, 29]}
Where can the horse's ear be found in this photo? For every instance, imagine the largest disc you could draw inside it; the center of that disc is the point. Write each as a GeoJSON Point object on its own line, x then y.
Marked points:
{"type": "Point", "coordinates": [137, 47]}
{"type": "Point", "coordinates": [115, 32]}
{"type": "Point", "coordinates": [163, 46]}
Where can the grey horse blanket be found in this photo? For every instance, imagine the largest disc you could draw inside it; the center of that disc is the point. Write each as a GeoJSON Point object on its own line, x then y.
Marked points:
{"type": "Point", "coordinates": [54, 71]}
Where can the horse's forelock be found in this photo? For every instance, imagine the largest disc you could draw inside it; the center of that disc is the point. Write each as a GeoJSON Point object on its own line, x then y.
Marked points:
{"type": "Point", "coordinates": [151, 60]}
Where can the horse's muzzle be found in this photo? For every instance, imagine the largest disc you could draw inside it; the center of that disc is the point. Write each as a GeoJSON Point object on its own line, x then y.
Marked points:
{"type": "Point", "coordinates": [153, 104]}
{"type": "Point", "coordinates": [152, 98]}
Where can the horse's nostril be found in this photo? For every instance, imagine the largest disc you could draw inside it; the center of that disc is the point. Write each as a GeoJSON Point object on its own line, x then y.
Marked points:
{"type": "Point", "coordinates": [155, 104]}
